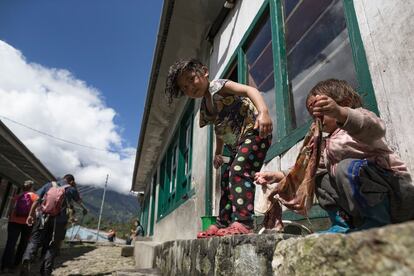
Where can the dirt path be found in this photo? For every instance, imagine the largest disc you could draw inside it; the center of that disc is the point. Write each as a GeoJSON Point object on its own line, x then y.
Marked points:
{"type": "Point", "coordinates": [101, 260]}
{"type": "Point", "coordinates": [87, 260]}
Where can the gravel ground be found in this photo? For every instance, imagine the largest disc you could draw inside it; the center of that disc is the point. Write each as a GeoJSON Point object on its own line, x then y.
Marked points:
{"type": "Point", "coordinates": [87, 260]}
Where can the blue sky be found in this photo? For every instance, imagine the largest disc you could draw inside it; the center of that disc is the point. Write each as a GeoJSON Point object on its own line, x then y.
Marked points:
{"type": "Point", "coordinates": [78, 70]}
{"type": "Point", "coordinates": [107, 43]}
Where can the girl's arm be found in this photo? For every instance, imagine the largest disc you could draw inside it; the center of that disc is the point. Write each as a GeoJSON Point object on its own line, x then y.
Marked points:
{"type": "Point", "coordinates": [263, 120]}
{"type": "Point", "coordinates": [219, 146]}
{"type": "Point", "coordinates": [264, 178]}
{"type": "Point", "coordinates": [364, 125]}
{"type": "Point", "coordinates": [360, 123]}
{"type": "Point", "coordinates": [218, 158]}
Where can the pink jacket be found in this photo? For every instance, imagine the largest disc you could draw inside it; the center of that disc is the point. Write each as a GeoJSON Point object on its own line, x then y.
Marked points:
{"type": "Point", "coordinates": [362, 136]}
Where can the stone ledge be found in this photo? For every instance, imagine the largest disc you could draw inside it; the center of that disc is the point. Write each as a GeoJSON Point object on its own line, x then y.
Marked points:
{"type": "Point", "coordinates": [144, 254]}
{"type": "Point", "coordinates": [237, 255]}
{"type": "Point", "coordinates": [383, 251]}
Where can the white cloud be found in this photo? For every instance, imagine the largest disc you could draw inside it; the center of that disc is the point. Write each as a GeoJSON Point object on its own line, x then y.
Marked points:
{"type": "Point", "coordinates": [55, 102]}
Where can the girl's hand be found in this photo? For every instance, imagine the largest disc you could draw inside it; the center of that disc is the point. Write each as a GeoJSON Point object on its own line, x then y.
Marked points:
{"type": "Point", "coordinates": [324, 105]}
{"type": "Point", "coordinates": [264, 124]}
{"type": "Point", "coordinates": [218, 161]}
{"type": "Point", "coordinates": [264, 178]}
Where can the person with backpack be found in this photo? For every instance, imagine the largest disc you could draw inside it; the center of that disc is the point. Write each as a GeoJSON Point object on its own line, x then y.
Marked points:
{"type": "Point", "coordinates": [17, 227]}
{"type": "Point", "coordinates": [50, 223]}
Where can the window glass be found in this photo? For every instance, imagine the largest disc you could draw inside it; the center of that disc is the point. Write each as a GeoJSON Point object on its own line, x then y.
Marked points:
{"type": "Point", "coordinates": [317, 48]}
{"type": "Point", "coordinates": [260, 70]}
{"type": "Point", "coordinates": [7, 206]}
{"type": "Point", "coordinates": [174, 163]}
{"type": "Point", "coordinates": [3, 189]}
{"type": "Point", "coordinates": [233, 74]}
{"type": "Point", "coordinates": [187, 148]}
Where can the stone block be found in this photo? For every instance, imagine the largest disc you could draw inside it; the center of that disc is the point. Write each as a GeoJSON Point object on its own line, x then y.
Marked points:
{"type": "Point", "coordinates": [127, 251]}
{"type": "Point", "coordinates": [382, 251]}
{"type": "Point", "coordinates": [144, 253]}
{"type": "Point", "coordinates": [236, 255]}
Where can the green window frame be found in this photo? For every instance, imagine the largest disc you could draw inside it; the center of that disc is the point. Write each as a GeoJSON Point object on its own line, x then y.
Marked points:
{"type": "Point", "coordinates": [175, 168]}
{"type": "Point", "coordinates": [144, 215]}
{"type": "Point", "coordinates": [286, 135]}
{"type": "Point", "coordinates": [153, 193]}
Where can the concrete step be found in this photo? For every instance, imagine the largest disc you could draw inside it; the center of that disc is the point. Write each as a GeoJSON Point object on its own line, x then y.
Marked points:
{"type": "Point", "coordinates": [380, 251]}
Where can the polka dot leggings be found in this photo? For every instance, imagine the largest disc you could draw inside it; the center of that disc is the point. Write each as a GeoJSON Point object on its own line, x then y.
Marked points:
{"type": "Point", "coordinates": [237, 187]}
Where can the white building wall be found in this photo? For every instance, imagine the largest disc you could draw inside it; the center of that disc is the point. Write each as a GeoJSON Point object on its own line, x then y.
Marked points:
{"type": "Point", "coordinates": [228, 38]}
{"type": "Point", "coordinates": [387, 31]}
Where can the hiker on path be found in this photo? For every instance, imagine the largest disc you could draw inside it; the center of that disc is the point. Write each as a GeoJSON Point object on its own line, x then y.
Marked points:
{"type": "Point", "coordinates": [20, 208]}
{"type": "Point", "coordinates": [241, 123]}
{"type": "Point", "coordinates": [49, 226]}
{"type": "Point", "coordinates": [363, 183]}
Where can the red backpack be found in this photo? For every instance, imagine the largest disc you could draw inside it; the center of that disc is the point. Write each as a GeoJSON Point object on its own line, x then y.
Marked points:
{"type": "Point", "coordinates": [53, 199]}
{"type": "Point", "coordinates": [23, 204]}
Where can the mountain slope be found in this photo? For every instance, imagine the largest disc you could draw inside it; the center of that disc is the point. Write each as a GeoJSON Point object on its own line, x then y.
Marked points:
{"type": "Point", "coordinates": [118, 208]}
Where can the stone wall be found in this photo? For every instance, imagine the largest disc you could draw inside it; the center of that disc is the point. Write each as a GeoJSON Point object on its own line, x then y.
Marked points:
{"type": "Point", "coordinates": [387, 32]}
{"type": "Point", "coordinates": [384, 251]}
{"type": "Point", "coordinates": [238, 255]}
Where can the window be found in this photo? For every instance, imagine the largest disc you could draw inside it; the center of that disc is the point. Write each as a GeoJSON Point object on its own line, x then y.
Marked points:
{"type": "Point", "coordinates": [4, 188]}
{"type": "Point", "coordinates": [186, 146]}
{"type": "Point", "coordinates": [317, 48]}
{"type": "Point", "coordinates": [7, 206]}
{"type": "Point", "coordinates": [233, 73]}
{"type": "Point", "coordinates": [153, 193]}
{"type": "Point", "coordinates": [290, 47]}
{"type": "Point", "coordinates": [175, 168]}
{"type": "Point", "coordinates": [260, 70]}
{"type": "Point", "coordinates": [144, 214]}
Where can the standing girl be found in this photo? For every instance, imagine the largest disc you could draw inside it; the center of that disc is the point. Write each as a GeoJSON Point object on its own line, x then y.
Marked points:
{"type": "Point", "coordinates": [242, 123]}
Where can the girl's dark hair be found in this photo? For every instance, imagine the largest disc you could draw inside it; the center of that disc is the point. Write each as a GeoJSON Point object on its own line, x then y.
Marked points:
{"type": "Point", "coordinates": [339, 90]}
{"type": "Point", "coordinates": [171, 87]}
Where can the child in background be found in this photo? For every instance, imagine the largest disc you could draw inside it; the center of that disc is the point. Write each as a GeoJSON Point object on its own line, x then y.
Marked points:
{"type": "Point", "coordinates": [241, 123]}
{"type": "Point", "coordinates": [366, 184]}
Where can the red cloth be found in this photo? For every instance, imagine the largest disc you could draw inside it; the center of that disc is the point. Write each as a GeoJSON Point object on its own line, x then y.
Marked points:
{"type": "Point", "coordinates": [296, 190]}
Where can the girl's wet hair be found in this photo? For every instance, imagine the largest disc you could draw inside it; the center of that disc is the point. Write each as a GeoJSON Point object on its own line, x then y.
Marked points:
{"type": "Point", "coordinates": [339, 90]}
{"type": "Point", "coordinates": [171, 88]}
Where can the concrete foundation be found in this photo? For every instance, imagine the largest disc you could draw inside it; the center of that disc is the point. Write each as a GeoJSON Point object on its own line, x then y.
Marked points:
{"type": "Point", "coordinates": [144, 253]}
{"type": "Point", "coordinates": [382, 251]}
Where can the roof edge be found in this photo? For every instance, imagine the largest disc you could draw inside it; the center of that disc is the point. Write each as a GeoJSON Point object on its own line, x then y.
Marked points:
{"type": "Point", "coordinates": [43, 170]}
{"type": "Point", "coordinates": [157, 57]}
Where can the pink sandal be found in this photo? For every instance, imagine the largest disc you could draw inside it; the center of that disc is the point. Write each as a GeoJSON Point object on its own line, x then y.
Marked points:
{"type": "Point", "coordinates": [210, 232]}
{"type": "Point", "coordinates": [236, 228]}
